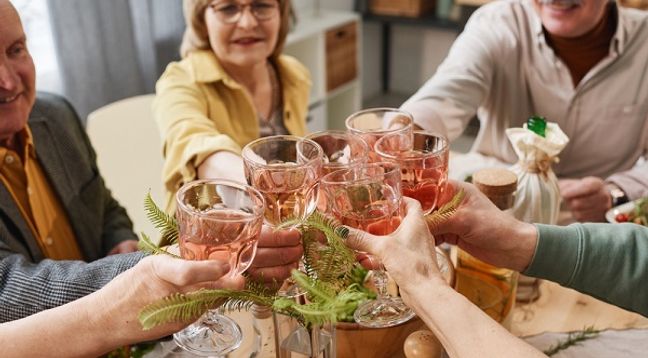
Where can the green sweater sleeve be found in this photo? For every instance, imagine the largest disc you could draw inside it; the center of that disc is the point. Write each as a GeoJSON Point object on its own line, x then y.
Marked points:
{"type": "Point", "coordinates": [609, 262]}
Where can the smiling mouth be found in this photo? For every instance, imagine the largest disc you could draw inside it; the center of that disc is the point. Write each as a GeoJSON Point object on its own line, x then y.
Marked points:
{"type": "Point", "coordinates": [5, 100]}
{"type": "Point", "coordinates": [247, 40]}
{"type": "Point", "coordinates": [561, 4]}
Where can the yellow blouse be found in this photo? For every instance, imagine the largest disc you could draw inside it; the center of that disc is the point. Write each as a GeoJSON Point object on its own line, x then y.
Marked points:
{"type": "Point", "coordinates": [201, 110]}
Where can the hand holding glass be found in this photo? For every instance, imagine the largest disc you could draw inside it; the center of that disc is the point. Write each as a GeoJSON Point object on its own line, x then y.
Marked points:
{"type": "Point", "coordinates": [423, 158]}
{"type": "Point", "coordinates": [217, 220]}
{"type": "Point", "coordinates": [369, 198]}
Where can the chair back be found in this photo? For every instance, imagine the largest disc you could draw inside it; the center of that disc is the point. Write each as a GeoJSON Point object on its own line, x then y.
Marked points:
{"type": "Point", "coordinates": [129, 155]}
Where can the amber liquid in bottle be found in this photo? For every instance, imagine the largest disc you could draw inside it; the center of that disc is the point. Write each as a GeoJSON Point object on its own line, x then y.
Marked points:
{"type": "Point", "coordinates": [490, 288]}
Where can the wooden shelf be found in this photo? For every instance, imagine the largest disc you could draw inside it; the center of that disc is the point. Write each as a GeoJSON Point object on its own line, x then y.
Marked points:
{"type": "Point", "coordinates": [334, 94]}
{"type": "Point", "coordinates": [428, 21]}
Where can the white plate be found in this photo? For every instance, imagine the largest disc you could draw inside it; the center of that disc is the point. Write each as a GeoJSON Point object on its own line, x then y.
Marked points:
{"type": "Point", "coordinates": [611, 214]}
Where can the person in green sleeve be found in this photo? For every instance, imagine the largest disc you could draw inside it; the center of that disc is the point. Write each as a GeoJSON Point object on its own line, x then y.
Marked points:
{"type": "Point", "coordinates": [603, 260]}
{"type": "Point", "coordinates": [606, 261]}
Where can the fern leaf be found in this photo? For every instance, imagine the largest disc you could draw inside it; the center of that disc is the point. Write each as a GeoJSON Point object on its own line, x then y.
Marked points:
{"type": "Point", "coordinates": [333, 281]}
{"type": "Point", "coordinates": [316, 289]}
{"type": "Point", "coordinates": [162, 221]}
{"type": "Point", "coordinates": [237, 305]}
{"type": "Point", "coordinates": [174, 308]}
{"type": "Point", "coordinates": [185, 307]}
{"type": "Point", "coordinates": [289, 223]}
{"type": "Point", "coordinates": [146, 245]}
{"type": "Point", "coordinates": [446, 211]}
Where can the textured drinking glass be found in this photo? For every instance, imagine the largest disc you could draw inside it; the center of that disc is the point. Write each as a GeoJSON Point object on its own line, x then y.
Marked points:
{"type": "Point", "coordinates": [369, 198]}
{"type": "Point", "coordinates": [423, 158]}
{"type": "Point", "coordinates": [341, 150]}
{"type": "Point", "coordinates": [217, 220]}
{"type": "Point", "coordinates": [374, 123]}
{"type": "Point", "coordinates": [286, 170]}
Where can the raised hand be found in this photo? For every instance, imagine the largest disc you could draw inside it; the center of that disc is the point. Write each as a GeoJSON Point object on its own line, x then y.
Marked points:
{"type": "Point", "coordinates": [278, 253]}
{"type": "Point", "coordinates": [486, 232]}
{"type": "Point", "coordinates": [408, 254]}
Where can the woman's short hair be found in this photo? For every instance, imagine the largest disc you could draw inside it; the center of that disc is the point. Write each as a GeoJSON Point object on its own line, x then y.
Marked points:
{"type": "Point", "coordinates": [196, 37]}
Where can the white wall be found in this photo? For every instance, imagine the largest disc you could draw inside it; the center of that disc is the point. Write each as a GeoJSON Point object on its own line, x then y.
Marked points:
{"type": "Point", "coordinates": [415, 55]}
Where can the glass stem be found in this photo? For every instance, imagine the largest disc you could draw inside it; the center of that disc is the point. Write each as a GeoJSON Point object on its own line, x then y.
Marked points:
{"type": "Point", "coordinates": [380, 280]}
{"type": "Point", "coordinates": [314, 333]}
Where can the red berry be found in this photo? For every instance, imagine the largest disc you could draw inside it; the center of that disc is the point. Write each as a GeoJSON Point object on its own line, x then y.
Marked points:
{"type": "Point", "coordinates": [621, 217]}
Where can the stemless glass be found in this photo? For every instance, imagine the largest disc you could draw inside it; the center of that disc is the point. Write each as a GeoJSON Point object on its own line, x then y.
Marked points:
{"type": "Point", "coordinates": [374, 123]}
{"type": "Point", "coordinates": [217, 220]}
{"type": "Point", "coordinates": [369, 198]}
{"type": "Point", "coordinates": [423, 158]}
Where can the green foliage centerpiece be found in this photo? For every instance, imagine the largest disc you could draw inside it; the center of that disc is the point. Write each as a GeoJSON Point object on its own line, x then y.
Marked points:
{"type": "Point", "coordinates": [332, 281]}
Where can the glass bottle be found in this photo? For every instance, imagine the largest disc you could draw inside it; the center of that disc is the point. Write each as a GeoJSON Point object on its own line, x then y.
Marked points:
{"type": "Point", "coordinates": [490, 288]}
{"type": "Point", "coordinates": [537, 124]}
{"type": "Point", "coordinates": [294, 340]}
{"type": "Point", "coordinates": [264, 331]}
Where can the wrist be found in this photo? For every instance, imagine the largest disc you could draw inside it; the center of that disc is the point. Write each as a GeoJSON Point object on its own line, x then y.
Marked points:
{"type": "Point", "coordinates": [617, 195]}
{"type": "Point", "coordinates": [426, 295]}
{"type": "Point", "coordinates": [526, 237]}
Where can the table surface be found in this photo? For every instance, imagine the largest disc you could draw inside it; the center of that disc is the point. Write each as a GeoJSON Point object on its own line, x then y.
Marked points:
{"type": "Point", "coordinates": [558, 309]}
{"type": "Point", "coordinates": [561, 309]}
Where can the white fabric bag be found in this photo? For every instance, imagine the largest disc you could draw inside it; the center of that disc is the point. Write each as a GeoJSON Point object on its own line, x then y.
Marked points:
{"type": "Point", "coordinates": [538, 196]}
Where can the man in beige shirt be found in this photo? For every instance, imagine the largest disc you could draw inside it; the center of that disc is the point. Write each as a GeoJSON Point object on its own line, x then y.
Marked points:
{"type": "Point", "coordinates": [579, 63]}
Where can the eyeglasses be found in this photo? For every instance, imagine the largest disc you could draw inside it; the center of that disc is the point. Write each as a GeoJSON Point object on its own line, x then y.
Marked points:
{"type": "Point", "coordinates": [230, 13]}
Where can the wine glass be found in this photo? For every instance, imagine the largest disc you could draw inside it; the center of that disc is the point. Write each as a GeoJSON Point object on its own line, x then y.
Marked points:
{"type": "Point", "coordinates": [423, 158]}
{"type": "Point", "coordinates": [341, 150]}
{"type": "Point", "coordinates": [369, 198]}
{"type": "Point", "coordinates": [217, 220]}
{"type": "Point", "coordinates": [374, 123]}
{"type": "Point", "coordinates": [286, 170]}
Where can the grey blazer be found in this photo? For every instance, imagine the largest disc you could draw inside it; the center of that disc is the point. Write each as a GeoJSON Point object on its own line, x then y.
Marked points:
{"type": "Point", "coordinates": [29, 283]}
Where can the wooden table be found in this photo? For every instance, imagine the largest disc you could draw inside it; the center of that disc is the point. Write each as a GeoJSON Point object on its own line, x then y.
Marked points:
{"type": "Point", "coordinates": [561, 309]}
{"type": "Point", "coordinates": [558, 309]}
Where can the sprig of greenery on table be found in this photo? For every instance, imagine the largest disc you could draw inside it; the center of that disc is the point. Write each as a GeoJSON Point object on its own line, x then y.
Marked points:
{"type": "Point", "coordinates": [573, 338]}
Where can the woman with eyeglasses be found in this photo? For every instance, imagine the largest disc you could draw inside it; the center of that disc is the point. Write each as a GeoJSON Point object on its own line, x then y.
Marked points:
{"type": "Point", "coordinates": [232, 86]}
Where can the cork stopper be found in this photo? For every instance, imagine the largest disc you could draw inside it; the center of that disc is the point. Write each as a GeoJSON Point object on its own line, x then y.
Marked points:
{"type": "Point", "coordinates": [497, 184]}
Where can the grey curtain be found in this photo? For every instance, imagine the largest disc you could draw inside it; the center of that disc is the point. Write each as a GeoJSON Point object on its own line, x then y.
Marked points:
{"type": "Point", "coordinates": [113, 49]}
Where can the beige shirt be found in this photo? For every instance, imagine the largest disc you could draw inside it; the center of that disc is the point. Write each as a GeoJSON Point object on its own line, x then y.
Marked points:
{"type": "Point", "coordinates": [502, 69]}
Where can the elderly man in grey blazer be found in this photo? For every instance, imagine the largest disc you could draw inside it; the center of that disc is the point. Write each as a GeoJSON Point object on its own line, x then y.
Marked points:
{"type": "Point", "coordinates": [58, 221]}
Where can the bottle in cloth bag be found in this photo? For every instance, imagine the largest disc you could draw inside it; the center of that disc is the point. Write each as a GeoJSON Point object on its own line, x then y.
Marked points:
{"type": "Point", "coordinates": [491, 288]}
{"type": "Point", "coordinates": [537, 146]}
